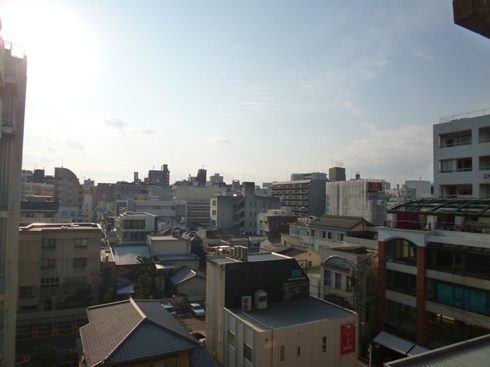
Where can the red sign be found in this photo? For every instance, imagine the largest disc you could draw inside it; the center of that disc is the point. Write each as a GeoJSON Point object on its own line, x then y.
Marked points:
{"type": "Point", "coordinates": [375, 186]}
{"type": "Point", "coordinates": [347, 338]}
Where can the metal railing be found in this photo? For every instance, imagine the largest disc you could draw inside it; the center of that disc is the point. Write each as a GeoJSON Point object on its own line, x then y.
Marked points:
{"type": "Point", "coordinates": [465, 115]}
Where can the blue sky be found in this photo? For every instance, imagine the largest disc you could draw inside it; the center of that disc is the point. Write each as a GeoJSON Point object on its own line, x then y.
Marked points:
{"type": "Point", "coordinates": [254, 90]}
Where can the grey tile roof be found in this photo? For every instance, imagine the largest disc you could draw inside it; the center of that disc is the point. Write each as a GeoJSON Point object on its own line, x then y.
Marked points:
{"type": "Point", "coordinates": [128, 255]}
{"type": "Point", "coordinates": [130, 330]}
{"type": "Point", "coordinates": [185, 273]}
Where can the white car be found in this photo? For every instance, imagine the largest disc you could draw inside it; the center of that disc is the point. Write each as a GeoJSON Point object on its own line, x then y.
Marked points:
{"type": "Point", "coordinates": [197, 310]}
{"type": "Point", "coordinates": [169, 308]}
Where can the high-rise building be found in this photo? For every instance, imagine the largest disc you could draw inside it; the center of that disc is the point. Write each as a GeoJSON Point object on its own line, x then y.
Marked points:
{"type": "Point", "coordinates": [304, 197]}
{"type": "Point", "coordinates": [161, 177]}
{"type": "Point", "coordinates": [13, 66]}
{"type": "Point", "coordinates": [462, 156]}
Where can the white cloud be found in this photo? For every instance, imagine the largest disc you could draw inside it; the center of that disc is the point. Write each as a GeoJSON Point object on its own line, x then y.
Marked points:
{"type": "Point", "coordinates": [125, 127]}
{"type": "Point", "coordinates": [74, 144]}
{"type": "Point", "coordinates": [218, 139]}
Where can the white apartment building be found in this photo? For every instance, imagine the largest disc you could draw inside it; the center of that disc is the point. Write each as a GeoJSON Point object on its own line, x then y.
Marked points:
{"type": "Point", "coordinates": [357, 198]}
{"type": "Point", "coordinates": [462, 156]}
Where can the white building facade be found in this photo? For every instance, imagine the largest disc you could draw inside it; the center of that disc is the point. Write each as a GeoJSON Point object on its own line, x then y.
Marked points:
{"type": "Point", "coordinates": [462, 156]}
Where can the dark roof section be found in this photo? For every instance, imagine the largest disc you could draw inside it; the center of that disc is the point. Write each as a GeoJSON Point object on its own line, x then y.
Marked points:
{"type": "Point", "coordinates": [39, 206]}
{"type": "Point", "coordinates": [184, 273]}
{"type": "Point", "coordinates": [341, 222]}
{"type": "Point", "coordinates": [466, 207]}
{"type": "Point", "coordinates": [133, 330]}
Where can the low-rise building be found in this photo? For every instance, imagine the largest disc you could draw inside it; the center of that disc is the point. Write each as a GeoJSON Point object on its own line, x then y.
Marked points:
{"type": "Point", "coordinates": [259, 313]}
{"type": "Point", "coordinates": [59, 266]}
{"type": "Point", "coordinates": [138, 333]}
{"type": "Point", "coordinates": [133, 227]}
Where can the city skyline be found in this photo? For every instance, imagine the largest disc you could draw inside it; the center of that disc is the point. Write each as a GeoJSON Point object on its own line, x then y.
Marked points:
{"type": "Point", "coordinates": [253, 91]}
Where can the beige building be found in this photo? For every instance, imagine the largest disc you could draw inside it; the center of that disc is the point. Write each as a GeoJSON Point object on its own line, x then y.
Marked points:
{"type": "Point", "coordinates": [59, 266]}
{"type": "Point", "coordinates": [259, 313]}
{"type": "Point", "coordinates": [13, 66]}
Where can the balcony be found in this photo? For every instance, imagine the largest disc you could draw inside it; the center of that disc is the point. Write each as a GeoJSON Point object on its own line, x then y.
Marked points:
{"type": "Point", "coordinates": [473, 15]}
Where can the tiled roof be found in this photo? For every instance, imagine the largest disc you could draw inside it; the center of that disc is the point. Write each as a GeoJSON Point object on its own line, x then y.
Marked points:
{"type": "Point", "coordinates": [128, 255]}
{"type": "Point", "coordinates": [185, 273]}
{"type": "Point", "coordinates": [130, 330]}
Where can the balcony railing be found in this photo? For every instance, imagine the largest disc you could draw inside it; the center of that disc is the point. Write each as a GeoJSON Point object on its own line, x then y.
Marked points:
{"type": "Point", "coordinates": [466, 115]}
{"type": "Point", "coordinates": [444, 226]}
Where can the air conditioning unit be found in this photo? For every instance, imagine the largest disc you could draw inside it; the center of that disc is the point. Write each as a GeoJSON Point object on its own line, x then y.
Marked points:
{"type": "Point", "coordinates": [246, 304]}
{"type": "Point", "coordinates": [260, 300]}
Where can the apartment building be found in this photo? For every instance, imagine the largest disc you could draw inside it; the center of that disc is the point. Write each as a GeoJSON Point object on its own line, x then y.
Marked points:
{"type": "Point", "coordinates": [434, 278]}
{"type": "Point", "coordinates": [259, 313]}
{"type": "Point", "coordinates": [133, 227]}
{"type": "Point", "coordinates": [59, 266]}
{"type": "Point", "coordinates": [304, 197]}
{"type": "Point", "coordinates": [357, 198]}
{"type": "Point", "coordinates": [13, 68]}
{"type": "Point", "coordinates": [239, 212]}
{"type": "Point", "coordinates": [462, 156]}
{"type": "Point", "coordinates": [198, 202]}
{"type": "Point", "coordinates": [274, 222]}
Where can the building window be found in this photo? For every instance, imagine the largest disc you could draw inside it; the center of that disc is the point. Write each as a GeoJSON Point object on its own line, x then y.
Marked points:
{"type": "Point", "coordinates": [312, 233]}
{"type": "Point", "coordinates": [464, 165]}
{"type": "Point", "coordinates": [328, 278]}
{"type": "Point", "coordinates": [329, 235]}
{"type": "Point", "coordinates": [48, 263]}
{"type": "Point", "coordinates": [27, 292]}
{"type": "Point", "coordinates": [299, 352]}
{"type": "Point", "coordinates": [81, 242]}
{"type": "Point", "coordinates": [348, 285]}
{"type": "Point", "coordinates": [79, 262]}
{"type": "Point", "coordinates": [324, 234]}
{"type": "Point", "coordinates": [214, 212]}
{"type": "Point", "coordinates": [402, 251]}
{"type": "Point", "coordinates": [214, 202]}
{"type": "Point", "coordinates": [401, 282]}
{"type": "Point", "coordinates": [282, 353]}
{"type": "Point", "coordinates": [446, 165]}
{"type": "Point", "coordinates": [50, 282]}
{"type": "Point", "coordinates": [338, 281]}
{"type": "Point", "coordinates": [48, 243]}
{"type": "Point", "coordinates": [247, 352]}
{"type": "Point", "coordinates": [324, 344]}
{"type": "Point", "coordinates": [231, 338]}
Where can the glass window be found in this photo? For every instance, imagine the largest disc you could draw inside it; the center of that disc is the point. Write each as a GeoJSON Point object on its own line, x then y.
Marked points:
{"type": "Point", "coordinates": [27, 292]}
{"type": "Point", "coordinates": [79, 262]}
{"type": "Point", "coordinates": [48, 243]}
{"type": "Point", "coordinates": [328, 278]}
{"type": "Point", "coordinates": [324, 344]}
{"type": "Point", "coordinates": [48, 263]}
{"type": "Point", "coordinates": [282, 353]}
{"type": "Point", "coordinates": [231, 338]}
{"type": "Point", "coordinates": [402, 251]}
{"type": "Point", "coordinates": [81, 242]}
{"type": "Point", "coordinates": [338, 281]}
{"type": "Point", "coordinates": [247, 352]}
{"type": "Point", "coordinates": [50, 282]}
{"type": "Point", "coordinates": [446, 165]}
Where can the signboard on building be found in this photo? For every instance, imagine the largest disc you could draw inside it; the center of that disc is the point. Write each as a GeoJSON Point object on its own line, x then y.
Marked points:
{"type": "Point", "coordinates": [347, 338]}
{"type": "Point", "coordinates": [375, 186]}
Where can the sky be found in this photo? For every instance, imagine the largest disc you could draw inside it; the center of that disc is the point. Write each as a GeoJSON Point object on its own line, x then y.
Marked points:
{"type": "Point", "coordinates": [253, 90]}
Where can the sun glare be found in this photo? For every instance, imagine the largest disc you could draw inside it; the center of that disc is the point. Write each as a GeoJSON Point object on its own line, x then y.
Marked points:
{"type": "Point", "coordinates": [59, 50]}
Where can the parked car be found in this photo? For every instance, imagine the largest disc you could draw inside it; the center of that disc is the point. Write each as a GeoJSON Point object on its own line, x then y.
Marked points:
{"type": "Point", "coordinates": [197, 310]}
{"type": "Point", "coordinates": [169, 308]}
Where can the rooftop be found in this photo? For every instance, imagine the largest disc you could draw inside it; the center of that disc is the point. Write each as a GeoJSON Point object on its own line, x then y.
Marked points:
{"type": "Point", "coordinates": [290, 313]}
{"type": "Point", "coordinates": [466, 115]}
{"type": "Point", "coordinates": [252, 257]}
{"type": "Point", "coordinates": [61, 226]}
{"type": "Point", "coordinates": [466, 207]}
{"type": "Point", "coordinates": [135, 330]}
{"type": "Point", "coordinates": [128, 255]}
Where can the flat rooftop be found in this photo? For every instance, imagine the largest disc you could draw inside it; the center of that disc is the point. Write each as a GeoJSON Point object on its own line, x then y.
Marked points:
{"type": "Point", "coordinates": [290, 313]}
{"type": "Point", "coordinates": [252, 257]}
{"type": "Point", "coordinates": [33, 227]}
